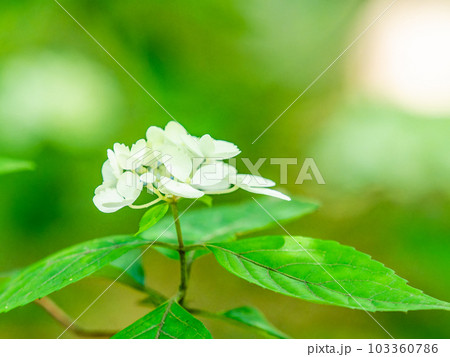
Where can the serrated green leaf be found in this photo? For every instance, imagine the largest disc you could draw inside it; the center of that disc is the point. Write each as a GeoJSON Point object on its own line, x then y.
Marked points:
{"type": "Point", "coordinates": [152, 216]}
{"type": "Point", "coordinates": [321, 271]}
{"type": "Point", "coordinates": [8, 165]}
{"type": "Point", "coordinates": [168, 321]}
{"type": "Point", "coordinates": [222, 223]}
{"type": "Point", "coordinates": [253, 318]}
{"type": "Point", "coordinates": [130, 264]}
{"type": "Point", "coordinates": [64, 268]}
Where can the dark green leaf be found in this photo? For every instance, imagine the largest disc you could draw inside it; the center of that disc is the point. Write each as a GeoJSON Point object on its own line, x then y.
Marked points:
{"type": "Point", "coordinates": [222, 223]}
{"type": "Point", "coordinates": [152, 216]}
{"type": "Point", "coordinates": [131, 265]}
{"type": "Point", "coordinates": [8, 165]}
{"type": "Point", "coordinates": [128, 269]}
{"type": "Point", "coordinates": [252, 317]}
{"type": "Point", "coordinates": [321, 271]}
{"type": "Point", "coordinates": [64, 268]}
{"type": "Point", "coordinates": [168, 321]}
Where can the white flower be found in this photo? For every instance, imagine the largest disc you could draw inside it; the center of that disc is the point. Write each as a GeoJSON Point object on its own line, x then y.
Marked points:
{"type": "Point", "coordinates": [175, 188]}
{"type": "Point", "coordinates": [110, 197]}
{"type": "Point", "coordinates": [171, 164]}
{"type": "Point", "coordinates": [108, 200]}
{"type": "Point", "coordinates": [209, 148]}
{"type": "Point", "coordinates": [258, 184]}
{"type": "Point", "coordinates": [120, 188]}
{"type": "Point", "coordinates": [211, 174]}
{"type": "Point", "coordinates": [129, 186]}
{"type": "Point", "coordinates": [168, 144]}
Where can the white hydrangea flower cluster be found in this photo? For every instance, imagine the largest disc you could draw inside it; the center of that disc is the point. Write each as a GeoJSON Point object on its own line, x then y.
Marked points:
{"type": "Point", "coordinates": [172, 164]}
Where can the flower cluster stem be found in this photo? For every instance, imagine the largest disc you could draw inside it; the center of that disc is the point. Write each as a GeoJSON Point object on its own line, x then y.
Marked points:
{"type": "Point", "coordinates": [181, 251]}
{"type": "Point", "coordinates": [146, 205]}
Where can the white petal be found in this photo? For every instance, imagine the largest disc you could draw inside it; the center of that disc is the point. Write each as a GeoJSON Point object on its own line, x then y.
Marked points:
{"type": "Point", "coordinates": [101, 188]}
{"type": "Point", "coordinates": [129, 186]}
{"type": "Point", "coordinates": [177, 161]}
{"type": "Point", "coordinates": [180, 189]}
{"type": "Point", "coordinates": [231, 170]}
{"type": "Point", "coordinates": [122, 153]}
{"type": "Point", "coordinates": [174, 132]}
{"type": "Point", "coordinates": [206, 144]}
{"type": "Point", "coordinates": [212, 174]}
{"type": "Point", "coordinates": [266, 191]}
{"type": "Point", "coordinates": [139, 155]}
{"type": "Point", "coordinates": [222, 185]}
{"type": "Point", "coordinates": [138, 147]}
{"type": "Point", "coordinates": [192, 143]}
{"type": "Point", "coordinates": [155, 136]}
{"type": "Point", "coordinates": [254, 181]}
{"type": "Point", "coordinates": [108, 200]}
{"type": "Point", "coordinates": [109, 178]}
{"type": "Point", "coordinates": [121, 149]}
{"type": "Point", "coordinates": [225, 150]}
{"type": "Point", "coordinates": [117, 170]}
{"type": "Point", "coordinates": [147, 177]}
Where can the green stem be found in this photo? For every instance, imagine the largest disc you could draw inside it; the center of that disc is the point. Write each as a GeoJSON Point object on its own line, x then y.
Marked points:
{"type": "Point", "coordinates": [181, 251]}
{"type": "Point", "coordinates": [146, 205]}
{"type": "Point", "coordinates": [191, 247]}
{"type": "Point", "coordinates": [164, 245]}
{"type": "Point", "coordinates": [154, 296]}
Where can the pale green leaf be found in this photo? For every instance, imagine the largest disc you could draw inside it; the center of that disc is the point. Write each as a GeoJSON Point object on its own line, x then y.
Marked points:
{"type": "Point", "coordinates": [168, 321]}
{"type": "Point", "coordinates": [152, 216]}
{"type": "Point", "coordinates": [253, 318]}
{"type": "Point", "coordinates": [129, 270]}
{"type": "Point", "coordinates": [321, 271]}
{"type": "Point", "coordinates": [130, 264]}
{"type": "Point", "coordinates": [5, 276]}
{"type": "Point", "coordinates": [64, 268]}
{"type": "Point", "coordinates": [207, 200]}
{"type": "Point", "coordinates": [8, 165]}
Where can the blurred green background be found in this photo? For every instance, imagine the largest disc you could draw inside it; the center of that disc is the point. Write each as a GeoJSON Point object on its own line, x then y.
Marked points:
{"type": "Point", "coordinates": [377, 125]}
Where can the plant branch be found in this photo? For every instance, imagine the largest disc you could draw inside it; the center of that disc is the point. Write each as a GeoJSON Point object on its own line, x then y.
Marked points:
{"type": "Point", "coordinates": [154, 296]}
{"type": "Point", "coordinates": [190, 247]}
{"type": "Point", "coordinates": [164, 245]}
{"type": "Point", "coordinates": [60, 316]}
{"type": "Point", "coordinates": [181, 251]}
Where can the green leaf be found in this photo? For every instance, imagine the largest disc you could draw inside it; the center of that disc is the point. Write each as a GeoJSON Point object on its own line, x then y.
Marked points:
{"type": "Point", "coordinates": [64, 268]}
{"type": "Point", "coordinates": [168, 321]}
{"type": "Point", "coordinates": [224, 223]}
{"type": "Point", "coordinates": [5, 276]}
{"type": "Point", "coordinates": [8, 165]}
{"type": "Point", "coordinates": [152, 216]}
{"type": "Point", "coordinates": [344, 277]}
{"type": "Point", "coordinates": [130, 264]}
{"type": "Point", "coordinates": [129, 270]}
{"type": "Point", "coordinates": [8, 274]}
{"type": "Point", "coordinates": [252, 317]}
{"type": "Point", "coordinates": [207, 200]}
